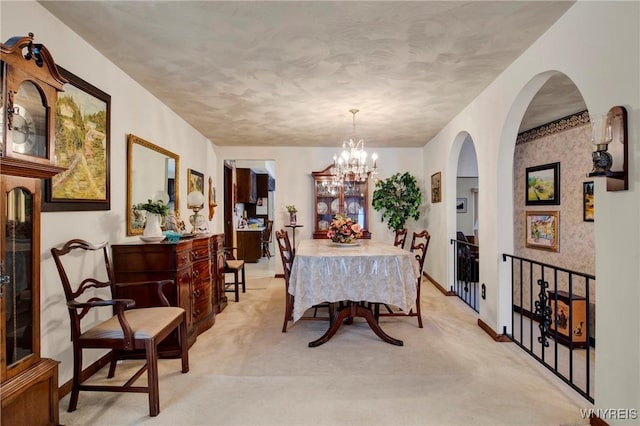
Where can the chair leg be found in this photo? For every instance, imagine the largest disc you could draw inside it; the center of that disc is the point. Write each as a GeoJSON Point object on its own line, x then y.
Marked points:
{"type": "Point", "coordinates": [418, 311]}
{"type": "Point", "coordinates": [184, 345]}
{"type": "Point", "coordinates": [114, 362]}
{"type": "Point", "coordinates": [235, 285]}
{"type": "Point", "coordinates": [152, 377]}
{"type": "Point", "coordinates": [287, 311]}
{"type": "Point", "coordinates": [244, 281]}
{"type": "Point", "coordinates": [77, 377]}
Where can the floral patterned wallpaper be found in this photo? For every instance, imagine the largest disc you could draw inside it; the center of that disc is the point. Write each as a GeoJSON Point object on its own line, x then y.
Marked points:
{"type": "Point", "coordinates": [572, 148]}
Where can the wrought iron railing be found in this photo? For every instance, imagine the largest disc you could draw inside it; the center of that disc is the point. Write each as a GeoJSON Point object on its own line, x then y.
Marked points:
{"type": "Point", "coordinates": [465, 282]}
{"type": "Point", "coordinates": [553, 319]}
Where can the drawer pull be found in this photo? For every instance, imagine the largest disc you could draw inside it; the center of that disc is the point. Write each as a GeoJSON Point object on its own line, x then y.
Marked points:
{"type": "Point", "coordinates": [196, 313]}
{"type": "Point", "coordinates": [196, 293]}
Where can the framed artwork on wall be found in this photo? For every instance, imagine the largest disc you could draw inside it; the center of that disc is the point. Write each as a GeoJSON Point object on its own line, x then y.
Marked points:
{"type": "Point", "coordinates": [461, 205]}
{"type": "Point", "coordinates": [542, 230]}
{"type": "Point", "coordinates": [542, 185]}
{"type": "Point", "coordinates": [587, 201]}
{"type": "Point", "coordinates": [436, 187]}
{"type": "Point", "coordinates": [195, 181]}
{"type": "Point", "coordinates": [83, 114]}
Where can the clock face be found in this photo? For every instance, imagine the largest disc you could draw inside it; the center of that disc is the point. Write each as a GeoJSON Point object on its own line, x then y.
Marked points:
{"type": "Point", "coordinates": [28, 122]}
{"type": "Point", "coordinates": [23, 130]}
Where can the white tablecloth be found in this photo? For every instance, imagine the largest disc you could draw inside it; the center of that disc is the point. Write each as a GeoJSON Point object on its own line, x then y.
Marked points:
{"type": "Point", "coordinates": [371, 271]}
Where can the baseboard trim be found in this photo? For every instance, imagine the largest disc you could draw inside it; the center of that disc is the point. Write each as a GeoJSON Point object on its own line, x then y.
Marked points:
{"type": "Point", "coordinates": [279, 275]}
{"type": "Point", "coordinates": [596, 421]}
{"type": "Point", "coordinates": [89, 371]}
{"type": "Point", "coordinates": [495, 336]}
{"type": "Point", "coordinates": [437, 285]}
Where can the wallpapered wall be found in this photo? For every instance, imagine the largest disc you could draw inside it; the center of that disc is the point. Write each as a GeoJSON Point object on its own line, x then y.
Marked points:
{"type": "Point", "coordinates": [572, 148]}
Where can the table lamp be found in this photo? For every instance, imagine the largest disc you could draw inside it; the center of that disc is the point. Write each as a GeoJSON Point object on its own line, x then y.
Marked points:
{"type": "Point", "coordinates": [195, 201]}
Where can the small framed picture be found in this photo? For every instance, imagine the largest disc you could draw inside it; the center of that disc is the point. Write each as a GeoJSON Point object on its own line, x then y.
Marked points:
{"type": "Point", "coordinates": [542, 230]}
{"type": "Point", "coordinates": [587, 201]}
{"type": "Point", "coordinates": [436, 193]}
{"type": "Point", "coordinates": [543, 185]}
{"type": "Point", "coordinates": [461, 205]}
{"type": "Point", "coordinates": [195, 182]}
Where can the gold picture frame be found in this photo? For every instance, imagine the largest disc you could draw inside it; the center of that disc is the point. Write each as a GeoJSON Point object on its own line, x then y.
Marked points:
{"type": "Point", "coordinates": [542, 230]}
{"type": "Point", "coordinates": [436, 187]}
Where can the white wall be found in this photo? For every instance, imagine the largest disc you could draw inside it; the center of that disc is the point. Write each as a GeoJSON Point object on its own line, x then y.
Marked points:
{"type": "Point", "coordinates": [596, 44]}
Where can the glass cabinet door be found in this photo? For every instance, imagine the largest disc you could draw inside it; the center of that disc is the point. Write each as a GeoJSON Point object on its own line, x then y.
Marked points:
{"type": "Point", "coordinates": [327, 203]}
{"type": "Point", "coordinates": [19, 328]}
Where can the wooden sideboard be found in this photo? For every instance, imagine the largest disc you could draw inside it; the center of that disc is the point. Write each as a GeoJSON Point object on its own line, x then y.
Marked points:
{"type": "Point", "coordinates": [196, 266]}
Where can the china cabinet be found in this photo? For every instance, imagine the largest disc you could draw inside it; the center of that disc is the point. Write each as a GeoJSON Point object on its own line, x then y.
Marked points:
{"type": "Point", "coordinates": [349, 197]}
{"type": "Point", "coordinates": [30, 83]}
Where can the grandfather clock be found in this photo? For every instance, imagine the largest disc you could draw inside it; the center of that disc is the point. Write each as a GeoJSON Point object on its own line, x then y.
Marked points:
{"type": "Point", "coordinates": [30, 83]}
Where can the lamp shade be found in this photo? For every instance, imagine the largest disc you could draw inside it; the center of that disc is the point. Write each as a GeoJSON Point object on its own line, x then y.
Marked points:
{"type": "Point", "coordinates": [195, 199]}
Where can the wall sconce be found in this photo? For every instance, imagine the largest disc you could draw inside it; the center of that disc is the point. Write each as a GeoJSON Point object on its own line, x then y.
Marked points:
{"type": "Point", "coordinates": [195, 201]}
{"type": "Point", "coordinates": [609, 135]}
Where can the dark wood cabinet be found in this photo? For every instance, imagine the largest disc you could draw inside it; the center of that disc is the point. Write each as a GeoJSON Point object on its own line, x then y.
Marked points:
{"type": "Point", "coordinates": [247, 186]}
{"type": "Point", "coordinates": [193, 265]}
{"type": "Point", "coordinates": [262, 182]}
{"type": "Point", "coordinates": [249, 246]}
{"type": "Point", "coordinates": [349, 197]}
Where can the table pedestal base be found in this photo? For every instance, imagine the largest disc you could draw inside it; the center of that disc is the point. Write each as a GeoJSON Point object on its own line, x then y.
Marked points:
{"type": "Point", "coordinates": [348, 312]}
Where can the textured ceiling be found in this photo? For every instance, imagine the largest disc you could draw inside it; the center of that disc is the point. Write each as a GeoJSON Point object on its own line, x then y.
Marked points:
{"type": "Point", "coordinates": [287, 73]}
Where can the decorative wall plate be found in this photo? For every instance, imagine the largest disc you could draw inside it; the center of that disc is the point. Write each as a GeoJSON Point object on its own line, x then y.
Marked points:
{"type": "Point", "coordinates": [323, 225]}
{"type": "Point", "coordinates": [322, 208]}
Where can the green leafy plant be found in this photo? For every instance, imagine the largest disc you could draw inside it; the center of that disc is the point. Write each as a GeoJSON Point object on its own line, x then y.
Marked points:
{"type": "Point", "coordinates": [155, 207]}
{"type": "Point", "coordinates": [398, 198]}
{"type": "Point", "coordinates": [291, 208]}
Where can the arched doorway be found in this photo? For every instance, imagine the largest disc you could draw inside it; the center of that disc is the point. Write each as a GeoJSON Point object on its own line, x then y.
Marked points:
{"type": "Point", "coordinates": [548, 272]}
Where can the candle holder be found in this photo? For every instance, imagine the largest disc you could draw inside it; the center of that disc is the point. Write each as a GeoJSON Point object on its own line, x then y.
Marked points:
{"type": "Point", "coordinates": [610, 157]}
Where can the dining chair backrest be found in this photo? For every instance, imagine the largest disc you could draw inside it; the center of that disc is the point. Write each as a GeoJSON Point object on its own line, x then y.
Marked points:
{"type": "Point", "coordinates": [286, 252]}
{"type": "Point", "coordinates": [400, 238]}
{"type": "Point", "coordinates": [419, 246]}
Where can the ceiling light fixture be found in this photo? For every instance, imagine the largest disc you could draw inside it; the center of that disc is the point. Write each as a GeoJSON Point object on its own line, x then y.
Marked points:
{"type": "Point", "coordinates": [352, 162]}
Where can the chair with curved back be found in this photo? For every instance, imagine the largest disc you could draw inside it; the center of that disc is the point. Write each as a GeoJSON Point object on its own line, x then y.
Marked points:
{"type": "Point", "coordinates": [419, 246]}
{"type": "Point", "coordinates": [400, 238]}
{"type": "Point", "coordinates": [129, 329]}
{"type": "Point", "coordinates": [265, 241]}
{"type": "Point", "coordinates": [288, 255]}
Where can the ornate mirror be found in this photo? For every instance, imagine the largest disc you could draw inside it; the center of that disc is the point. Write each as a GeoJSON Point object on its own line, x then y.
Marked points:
{"type": "Point", "coordinates": [152, 173]}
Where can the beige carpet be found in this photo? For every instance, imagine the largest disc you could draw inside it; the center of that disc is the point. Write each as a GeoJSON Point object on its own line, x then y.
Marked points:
{"type": "Point", "coordinates": [245, 371]}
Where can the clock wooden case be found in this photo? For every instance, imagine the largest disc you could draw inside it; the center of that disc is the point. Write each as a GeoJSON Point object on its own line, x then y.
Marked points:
{"type": "Point", "coordinates": [30, 84]}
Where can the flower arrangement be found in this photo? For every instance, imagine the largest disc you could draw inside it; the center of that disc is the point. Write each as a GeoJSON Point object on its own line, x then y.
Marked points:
{"type": "Point", "coordinates": [155, 207]}
{"type": "Point", "coordinates": [344, 230]}
{"type": "Point", "coordinates": [291, 208]}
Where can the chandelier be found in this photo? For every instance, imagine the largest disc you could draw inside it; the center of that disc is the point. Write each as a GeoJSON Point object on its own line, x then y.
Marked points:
{"type": "Point", "coordinates": [352, 162]}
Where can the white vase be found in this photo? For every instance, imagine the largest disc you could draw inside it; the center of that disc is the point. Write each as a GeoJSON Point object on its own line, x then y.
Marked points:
{"type": "Point", "coordinates": [152, 226]}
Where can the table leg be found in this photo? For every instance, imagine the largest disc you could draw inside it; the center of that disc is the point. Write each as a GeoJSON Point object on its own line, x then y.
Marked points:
{"type": "Point", "coordinates": [353, 309]}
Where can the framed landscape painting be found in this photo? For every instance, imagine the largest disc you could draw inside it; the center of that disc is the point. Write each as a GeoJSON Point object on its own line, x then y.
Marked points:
{"type": "Point", "coordinates": [83, 114]}
{"type": "Point", "coordinates": [542, 230]}
{"type": "Point", "coordinates": [543, 185]}
{"type": "Point", "coordinates": [587, 201]}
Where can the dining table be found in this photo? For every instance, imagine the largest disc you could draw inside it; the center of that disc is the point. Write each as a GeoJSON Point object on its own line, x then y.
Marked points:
{"type": "Point", "coordinates": [354, 276]}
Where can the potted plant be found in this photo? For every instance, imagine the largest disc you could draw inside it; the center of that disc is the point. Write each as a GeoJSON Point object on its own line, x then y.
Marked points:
{"type": "Point", "coordinates": [292, 213]}
{"type": "Point", "coordinates": [399, 198]}
{"type": "Point", "coordinates": [156, 210]}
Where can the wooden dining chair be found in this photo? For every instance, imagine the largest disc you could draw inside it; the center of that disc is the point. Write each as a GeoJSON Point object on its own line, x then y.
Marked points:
{"type": "Point", "coordinates": [265, 240]}
{"type": "Point", "coordinates": [129, 330]}
{"type": "Point", "coordinates": [288, 255]}
{"type": "Point", "coordinates": [419, 246]}
{"type": "Point", "coordinates": [400, 238]}
{"type": "Point", "coordinates": [236, 267]}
